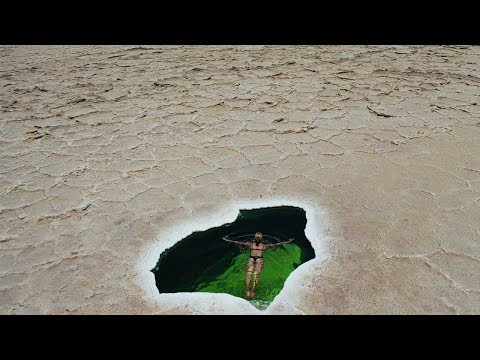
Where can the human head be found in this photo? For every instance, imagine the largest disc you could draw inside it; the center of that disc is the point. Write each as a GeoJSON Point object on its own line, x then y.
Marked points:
{"type": "Point", "coordinates": [258, 237]}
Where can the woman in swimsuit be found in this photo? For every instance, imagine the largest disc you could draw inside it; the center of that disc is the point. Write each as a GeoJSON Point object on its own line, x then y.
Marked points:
{"type": "Point", "coordinates": [255, 261]}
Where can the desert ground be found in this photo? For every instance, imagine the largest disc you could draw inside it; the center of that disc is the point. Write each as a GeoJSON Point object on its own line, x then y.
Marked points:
{"type": "Point", "coordinates": [105, 148]}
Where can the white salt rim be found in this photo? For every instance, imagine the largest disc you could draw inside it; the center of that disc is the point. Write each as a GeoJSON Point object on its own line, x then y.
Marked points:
{"type": "Point", "coordinates": [217, 303]}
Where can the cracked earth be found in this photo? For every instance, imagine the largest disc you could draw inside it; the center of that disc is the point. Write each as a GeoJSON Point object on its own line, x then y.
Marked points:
{"type": "Point", "coordinates": [103, 147]}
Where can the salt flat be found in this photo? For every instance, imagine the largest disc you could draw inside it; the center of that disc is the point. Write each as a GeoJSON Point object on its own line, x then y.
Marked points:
{"type": "Point", "coordinates": [105, 148]}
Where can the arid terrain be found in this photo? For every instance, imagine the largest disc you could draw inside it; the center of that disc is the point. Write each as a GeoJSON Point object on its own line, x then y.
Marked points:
{"type": "Point", "coordinates": [104, 148]}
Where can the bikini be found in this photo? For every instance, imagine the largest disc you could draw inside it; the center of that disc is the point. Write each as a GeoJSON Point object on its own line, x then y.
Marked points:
{"type": "Point", "coordinates": [256, 257]}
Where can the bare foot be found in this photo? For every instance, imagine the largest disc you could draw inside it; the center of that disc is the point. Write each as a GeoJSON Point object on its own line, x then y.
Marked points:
{"type": "Point", "coordinates": [247, 294]}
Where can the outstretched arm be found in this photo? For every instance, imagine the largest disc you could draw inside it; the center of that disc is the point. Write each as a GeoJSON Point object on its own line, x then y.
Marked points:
{"type": "Point", "coordinates": [278, 244]}
{"type": "Point", "coordinates": [234, 241]}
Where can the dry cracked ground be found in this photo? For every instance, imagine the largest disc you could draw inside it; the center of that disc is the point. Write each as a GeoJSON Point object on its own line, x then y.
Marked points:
{"type": "Point", "coordinates": [103, 147]}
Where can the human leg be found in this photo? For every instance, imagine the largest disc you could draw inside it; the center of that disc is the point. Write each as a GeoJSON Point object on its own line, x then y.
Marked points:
{"type": "Point", "coordinates": [248, 276]}
{"type": "Point", "coordinates": [256, 275]}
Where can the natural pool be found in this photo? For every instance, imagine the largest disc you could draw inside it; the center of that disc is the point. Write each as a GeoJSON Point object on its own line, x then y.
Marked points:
{"type": "Point", "coordinates": [203, 262]}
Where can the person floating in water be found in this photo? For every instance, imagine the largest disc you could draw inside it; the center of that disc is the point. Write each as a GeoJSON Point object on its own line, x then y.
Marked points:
{"type": "Point", "coordinates": [255, 261]}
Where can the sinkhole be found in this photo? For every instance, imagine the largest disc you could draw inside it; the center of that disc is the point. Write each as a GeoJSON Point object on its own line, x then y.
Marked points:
{"type": "Point", "coordinates": [203, 262]}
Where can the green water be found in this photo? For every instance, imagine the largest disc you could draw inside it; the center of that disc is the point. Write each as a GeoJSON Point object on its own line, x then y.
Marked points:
{"type": "Point", "coordinates": [203, 262]}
